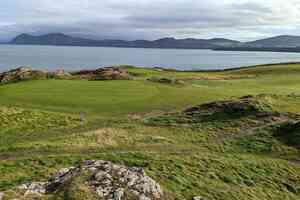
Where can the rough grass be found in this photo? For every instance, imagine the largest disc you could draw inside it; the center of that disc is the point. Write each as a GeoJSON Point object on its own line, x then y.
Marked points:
{"type": "Point", "coordinates": [16, 120]}
{"type": "Point", "coordinates": [41, 132]}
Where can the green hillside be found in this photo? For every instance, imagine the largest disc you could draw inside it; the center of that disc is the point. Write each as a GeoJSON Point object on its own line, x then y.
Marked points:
{"type": "Point", "coordinates": [224, 135]}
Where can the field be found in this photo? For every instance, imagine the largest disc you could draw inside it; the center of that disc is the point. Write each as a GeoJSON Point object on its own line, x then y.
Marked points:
{"type": "Point", "coordinates": [49, 124]}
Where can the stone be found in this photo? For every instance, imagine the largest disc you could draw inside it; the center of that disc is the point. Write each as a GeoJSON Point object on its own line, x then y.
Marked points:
{"type": "Point", "coordinates": [1, 195]}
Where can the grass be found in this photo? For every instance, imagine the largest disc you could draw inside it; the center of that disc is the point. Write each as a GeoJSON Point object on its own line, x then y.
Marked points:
{"type": "Point", "coordinates": [115, 98]}
{"type": "Point", "coordinates": [41, 131]}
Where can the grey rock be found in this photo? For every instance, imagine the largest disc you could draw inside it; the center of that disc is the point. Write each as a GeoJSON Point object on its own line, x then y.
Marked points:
{"type": "Point", "coordinates": [110, 176]}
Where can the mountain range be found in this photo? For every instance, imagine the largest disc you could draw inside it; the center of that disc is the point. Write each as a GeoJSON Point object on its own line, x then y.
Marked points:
{"type": "Point", "coordinates": [278, 43]}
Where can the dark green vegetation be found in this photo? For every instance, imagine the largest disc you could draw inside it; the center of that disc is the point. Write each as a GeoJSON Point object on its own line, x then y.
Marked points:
{"type": "Point", "coordinates": [290, 134]}
{"type": "Point", "coordinates": [235, 148]}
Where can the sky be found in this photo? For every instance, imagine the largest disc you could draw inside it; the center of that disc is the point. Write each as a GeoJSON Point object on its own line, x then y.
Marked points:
{"type": "Point", "coordinates": [151, 19]}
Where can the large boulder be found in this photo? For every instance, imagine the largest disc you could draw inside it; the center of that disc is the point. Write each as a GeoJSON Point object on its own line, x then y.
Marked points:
{"type": "Point", "coordinates": [104, 179]}
{"type": "Point", "coordinates": [21, 74]}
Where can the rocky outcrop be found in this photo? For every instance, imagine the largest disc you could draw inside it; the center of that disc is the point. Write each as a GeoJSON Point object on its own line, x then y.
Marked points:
{"type": "Point", "coordinates": [106, 180]}
{"type": "Point", "coordinates": [21, 74]}
{"type": "Point", "coordinates": [108, 73]}
{"type": "Point", "coordinates": [112, 181]}
{"type": "Point", "coordinates": [256, 110]}
{"type": "Point", "coordinates": [26, 73]}
{"type": "Point", "coordinates": [246, 105]}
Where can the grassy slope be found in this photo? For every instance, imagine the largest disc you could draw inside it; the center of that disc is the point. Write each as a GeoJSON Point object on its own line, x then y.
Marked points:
{"type": "Point", "coordinates": [186, 161]}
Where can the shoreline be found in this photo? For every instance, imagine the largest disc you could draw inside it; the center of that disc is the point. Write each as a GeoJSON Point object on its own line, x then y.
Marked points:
{"type": "Point", "coordinates": [156, 68]}
{"type": "Point", "coordinates": [233, 49]}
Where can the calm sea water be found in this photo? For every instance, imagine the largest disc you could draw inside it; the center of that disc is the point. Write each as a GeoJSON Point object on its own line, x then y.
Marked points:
{"type": "Point", "coordinates": [74, 58]}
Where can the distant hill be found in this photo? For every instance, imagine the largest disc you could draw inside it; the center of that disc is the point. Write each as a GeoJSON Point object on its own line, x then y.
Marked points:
{"type": "Point", "coordinates": [51, 39]}
{"type": "Point", "coordinates": [283, 43]}
{"type": "Point", "coordinates": [62, 39]}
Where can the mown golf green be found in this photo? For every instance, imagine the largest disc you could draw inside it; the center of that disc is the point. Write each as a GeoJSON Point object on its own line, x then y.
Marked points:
{"type": "Point", "coordinates": [42, 130]}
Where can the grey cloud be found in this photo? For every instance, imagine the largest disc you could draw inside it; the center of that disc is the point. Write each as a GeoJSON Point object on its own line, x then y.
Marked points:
{"type": "Point", "coordinates": [150, 19]}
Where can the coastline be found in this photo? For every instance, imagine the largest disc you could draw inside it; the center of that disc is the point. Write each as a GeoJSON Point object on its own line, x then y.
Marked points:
{"type": "Point", "coordinates": [238, 49]}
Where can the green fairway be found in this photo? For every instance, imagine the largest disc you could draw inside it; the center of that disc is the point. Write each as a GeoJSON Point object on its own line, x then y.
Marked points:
{"type": "Point", "coordinates": [124, 97]}
{"type": "Point", "coordinates": [227, 158]}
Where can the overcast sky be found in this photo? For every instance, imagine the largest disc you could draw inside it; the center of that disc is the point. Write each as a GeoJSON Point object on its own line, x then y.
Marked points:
{"type": "Point", "coordinates": [151, 19]}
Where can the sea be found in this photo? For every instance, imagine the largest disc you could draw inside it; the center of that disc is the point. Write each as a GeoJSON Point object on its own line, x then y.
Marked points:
{"type": "Point", "coordinates": [76, 58]}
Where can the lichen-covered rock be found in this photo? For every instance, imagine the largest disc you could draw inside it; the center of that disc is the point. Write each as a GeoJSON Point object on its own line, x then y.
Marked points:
{"type": "Point", "coordinates": [21, 74]}
{"type": "Point", "coordinates": [105, 179]}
